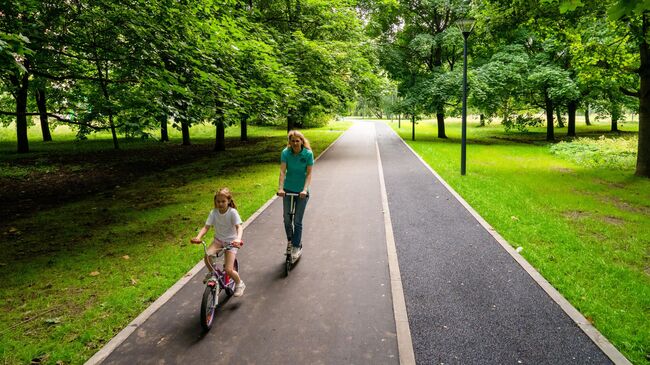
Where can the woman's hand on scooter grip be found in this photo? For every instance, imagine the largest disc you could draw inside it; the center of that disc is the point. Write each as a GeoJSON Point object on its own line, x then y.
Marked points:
{"type": "Point", "coordinates": [237, 243]}
{"type": "Point", "coordinates": [303, 194]}
{"type": "Point", "coordinates": [195, 240]}
{"type": "Point", "coordinates": [281, 192]}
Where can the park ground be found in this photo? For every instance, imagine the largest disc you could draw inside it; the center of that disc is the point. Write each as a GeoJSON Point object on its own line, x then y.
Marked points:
{"type": "Point", "coordinates": [83, 222]}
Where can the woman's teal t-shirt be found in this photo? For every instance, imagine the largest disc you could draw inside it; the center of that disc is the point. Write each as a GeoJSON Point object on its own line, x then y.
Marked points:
{"type": "Point", "coordinates": [296, 168]}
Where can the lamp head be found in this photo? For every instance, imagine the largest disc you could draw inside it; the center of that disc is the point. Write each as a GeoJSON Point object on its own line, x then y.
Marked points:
{"type": "Point", "coordinates": [466, 25]}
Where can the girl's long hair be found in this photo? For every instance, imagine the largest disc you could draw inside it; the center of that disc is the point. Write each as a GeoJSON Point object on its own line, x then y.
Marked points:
{"type": "Point", "coordinates": [225, 192]}
{"type": "Point", "coordinates": [305, 141]}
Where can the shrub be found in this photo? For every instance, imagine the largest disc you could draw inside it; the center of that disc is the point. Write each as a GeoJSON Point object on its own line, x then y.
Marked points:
{"type": "Point", "coordinates": [619, 153]}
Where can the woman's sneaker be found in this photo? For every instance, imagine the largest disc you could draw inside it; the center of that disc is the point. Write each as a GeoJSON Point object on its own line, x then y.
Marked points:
{"type": "Point", "coordinates": [295, 253]}
{"type": "Point", "coordinates": [239, 289]}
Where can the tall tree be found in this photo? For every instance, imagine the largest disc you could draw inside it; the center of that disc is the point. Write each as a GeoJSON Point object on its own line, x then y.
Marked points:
{"type": "Point", "coordinates": [419, 47]}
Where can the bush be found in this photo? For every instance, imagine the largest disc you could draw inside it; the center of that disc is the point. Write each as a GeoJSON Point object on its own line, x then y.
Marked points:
{"type": "Point", "coordinates": [619, 153]}
{"type": "Point", "coordinates": [522, 122]}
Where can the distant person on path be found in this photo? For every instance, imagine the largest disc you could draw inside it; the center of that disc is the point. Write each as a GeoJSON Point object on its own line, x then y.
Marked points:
{"type": "Point", "coordinates": [228, 232]}
{"type": "Point", "coordinates": [296, 165]}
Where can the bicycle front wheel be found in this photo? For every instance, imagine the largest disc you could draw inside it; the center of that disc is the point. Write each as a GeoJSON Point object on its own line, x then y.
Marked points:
{"type": "Point", "coordinates": [208, 307]}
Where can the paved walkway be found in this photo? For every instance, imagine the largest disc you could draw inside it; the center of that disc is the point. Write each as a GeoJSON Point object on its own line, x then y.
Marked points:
{"type": "Point", "coordinates": [468, 301]}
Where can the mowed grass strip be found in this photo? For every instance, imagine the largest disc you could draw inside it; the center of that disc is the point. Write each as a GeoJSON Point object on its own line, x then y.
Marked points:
{"type": "Point", "coordinates": [71, 277]}
{"type": "Point", "coordinates": [584, 228]}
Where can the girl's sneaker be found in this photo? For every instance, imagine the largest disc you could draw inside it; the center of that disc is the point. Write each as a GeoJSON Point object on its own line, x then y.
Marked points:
{"type": "Point", "coordinates": [239, 289]}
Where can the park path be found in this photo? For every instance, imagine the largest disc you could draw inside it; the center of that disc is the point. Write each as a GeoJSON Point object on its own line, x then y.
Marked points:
{"type": "Point", "coordinates": [468, 301]}
{"type": "Point", "coordinates": [334, 308]}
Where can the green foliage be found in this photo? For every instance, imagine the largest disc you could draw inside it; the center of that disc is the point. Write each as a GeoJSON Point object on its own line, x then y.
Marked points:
{"type": "Point", "coordinates": [129, 66]}
{"type": "Point", "coordinates": [521, 122]}
{"type": "Point", "coordinates": [603, 152]}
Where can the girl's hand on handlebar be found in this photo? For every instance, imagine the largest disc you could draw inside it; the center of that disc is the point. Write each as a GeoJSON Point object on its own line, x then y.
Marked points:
{"type": "Point", "coordinates": [195, 240]}
{"type": "Point", "coordinates": [281, 192]}
{"type": "Point", "coordinates": [303, 194]}
{"type": "Point", "coordinates": [237, 243]}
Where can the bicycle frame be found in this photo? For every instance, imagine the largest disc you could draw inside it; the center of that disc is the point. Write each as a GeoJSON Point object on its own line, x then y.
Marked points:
{"type": "Point", "coordinates": [222, 278]}
{"type": "Point", "coordinates": [218, 280]}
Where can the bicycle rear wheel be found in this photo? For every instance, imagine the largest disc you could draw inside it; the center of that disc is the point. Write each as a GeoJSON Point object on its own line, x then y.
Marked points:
{"type": "Point", "coordinates": [208, 307]}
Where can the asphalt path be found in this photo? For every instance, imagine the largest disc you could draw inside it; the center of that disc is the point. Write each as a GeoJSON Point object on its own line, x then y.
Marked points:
{"type": "Point", "coordinates": [334, 308]}
{"type": "Point", "coordinates": [468, 301]}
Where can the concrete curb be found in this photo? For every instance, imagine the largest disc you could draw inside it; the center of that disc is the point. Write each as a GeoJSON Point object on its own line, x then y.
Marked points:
{"type": "Point", "coordinates": [591, 331]}
{"type": "Point", "coordinates": [103, 353]}
{"type": "Point", "coordinates": [404, 341]}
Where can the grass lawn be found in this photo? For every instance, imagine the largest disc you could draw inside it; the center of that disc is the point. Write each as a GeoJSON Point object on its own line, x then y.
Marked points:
{"type": "Point", "coordinates": [576, 209]}
{"type": "Point", "coordinates": [73, 274]}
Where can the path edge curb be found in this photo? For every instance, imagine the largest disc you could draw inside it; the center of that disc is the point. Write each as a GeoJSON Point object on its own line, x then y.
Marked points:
{"type": "Point", "coordinates": [601, 341]}
{"type": "Point", "coordinates": [121, 336]}
{"type": "Point", "coordinates": [402, 328]}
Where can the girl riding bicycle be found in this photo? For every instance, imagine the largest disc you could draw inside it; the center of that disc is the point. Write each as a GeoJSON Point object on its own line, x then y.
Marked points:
{"type": "Point", "coordinates": [228, 232]}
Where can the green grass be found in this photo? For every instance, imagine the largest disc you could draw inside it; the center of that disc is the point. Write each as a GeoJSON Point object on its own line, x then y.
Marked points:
{"type": "Point", "coordinates": [73, 276]}
{"type": "Point", "coordinates": [582, 221]}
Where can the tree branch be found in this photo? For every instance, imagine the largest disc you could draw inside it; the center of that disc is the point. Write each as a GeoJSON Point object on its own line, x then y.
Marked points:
{"type": "Point", "coordinates": [64, 119]}
{"type": "Point", "coordinates": [627, 92]}
{"type": "Point", "coordinates": [77, 77]}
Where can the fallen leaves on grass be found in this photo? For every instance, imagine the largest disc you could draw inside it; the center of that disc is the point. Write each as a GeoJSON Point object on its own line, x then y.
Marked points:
{"type": "Point", "coordinates": [94, 273]}
{"type": "Point", "coordinates": [126, 257]}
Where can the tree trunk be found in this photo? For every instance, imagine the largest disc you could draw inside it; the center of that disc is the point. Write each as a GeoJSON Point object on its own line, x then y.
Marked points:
{"type": "Point", "coordinates": [399, 120]}
{"type": "Point", "coordinates": [164, 136]}
{"type": "Point", "coordinates": [244, 127]}
{"type": "Point", "coordinates": [482, 119]}
{"type": "Point", "coordinates": [220, 143]}
{"type": "Point", "coordinates": [103, 84]}
{"type": "Point", "coordinates": [558, 113]}
{"type": "Point", "coordinates": [21, 112]}
{"type": "Point", "coordinates": [571, 108]}
{"type": "Point", "coordinates": [643, 155]}
{"type": "Point", "coordinates": [440, 116]}
{"type": "Point", "coordinates": [615, 115]}
{"type": "Point", "coordinates": [185, 130]}
{"type": "Point", "coordinates": [549, 118]}
{"type": "Point", "coordinates": [291, 120]}
{"type": "Point", "coordinates": [587, 121]}
{"type": "Point", "coordinates": [42, 111]}
{"type": "Point", "coordinates": [413, 128]}
{"type": "Point", "coordinates": [113, 131]}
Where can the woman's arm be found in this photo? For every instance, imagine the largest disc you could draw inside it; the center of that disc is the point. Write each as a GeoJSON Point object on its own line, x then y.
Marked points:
{"type": "Point", "coordinates": [283, 173]}
{"type": "Point", "coordinates": [303, 193]}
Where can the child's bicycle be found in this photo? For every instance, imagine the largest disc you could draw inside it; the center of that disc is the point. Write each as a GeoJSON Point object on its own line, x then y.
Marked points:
{"type": "Point", "coordinates": [219, 280]}
{"type": "Point", "coordinates": [289, 262]}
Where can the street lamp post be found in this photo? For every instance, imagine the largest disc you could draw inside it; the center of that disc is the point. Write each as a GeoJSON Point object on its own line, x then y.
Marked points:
{"type": "Point", "coordinates": [466, 26]}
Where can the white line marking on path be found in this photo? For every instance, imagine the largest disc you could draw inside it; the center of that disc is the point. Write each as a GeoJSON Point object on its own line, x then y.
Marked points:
{"type": "Point", "coordinates": [116, 341]}
{"type": "Point", "coordinates": [404, 342]}
{"type": "Point", "coordinates": [601, 341]}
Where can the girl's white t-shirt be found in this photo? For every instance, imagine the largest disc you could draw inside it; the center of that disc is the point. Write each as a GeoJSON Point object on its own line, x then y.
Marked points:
{"type": "Point", "coordinates": [224, 224]}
